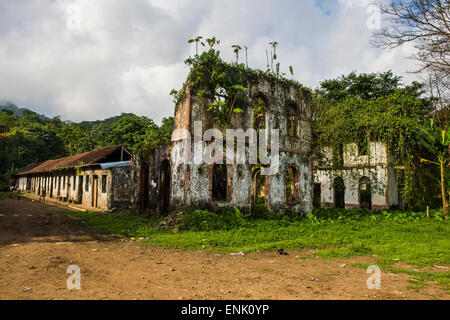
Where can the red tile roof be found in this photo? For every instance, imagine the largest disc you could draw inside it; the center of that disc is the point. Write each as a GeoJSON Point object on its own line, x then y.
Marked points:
{"type": "Point", "coordinates": [81, 159]}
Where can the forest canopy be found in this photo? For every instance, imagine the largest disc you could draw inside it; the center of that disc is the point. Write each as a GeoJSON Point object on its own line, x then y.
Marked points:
{"type": "Point", "coordinates": [30, 138]}
{"type": "Point", "coordinates": [378, 107]}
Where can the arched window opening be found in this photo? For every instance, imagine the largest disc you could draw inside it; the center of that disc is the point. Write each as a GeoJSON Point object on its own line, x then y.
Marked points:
{"type": "Point", "coordinates": [259, 113]}
{"type": "Point", "coordinates": [292, 120]}
{"type": "Point", "coordinates": [291, 182]}
{"type": "Point", "coordinates": [258, 186]}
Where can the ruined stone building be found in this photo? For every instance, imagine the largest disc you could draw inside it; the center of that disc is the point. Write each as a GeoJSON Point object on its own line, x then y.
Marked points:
{"type": "Point", "coordinates": [169, 181]}
{"type": "Point", "coordinates": [366, 177]}
{"type": "Point", "coordinates": [178, 175]}
{"type": "Point", "coordinates": [97, 179]}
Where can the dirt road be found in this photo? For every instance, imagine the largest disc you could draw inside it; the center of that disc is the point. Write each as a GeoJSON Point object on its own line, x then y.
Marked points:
{"type": "Point", "coordinates": [37, 244]}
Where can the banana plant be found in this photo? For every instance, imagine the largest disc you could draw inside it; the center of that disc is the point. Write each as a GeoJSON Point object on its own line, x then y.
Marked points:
{"type": "Point", "coordinates": [437, 142]}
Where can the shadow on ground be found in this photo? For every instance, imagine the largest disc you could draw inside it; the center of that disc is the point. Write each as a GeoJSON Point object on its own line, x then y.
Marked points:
{"type": "Point", "coordinates": [28, 220]}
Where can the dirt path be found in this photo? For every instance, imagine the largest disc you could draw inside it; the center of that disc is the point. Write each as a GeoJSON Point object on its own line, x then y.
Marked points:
{"type": "Point", "coordinates": [37, 244]}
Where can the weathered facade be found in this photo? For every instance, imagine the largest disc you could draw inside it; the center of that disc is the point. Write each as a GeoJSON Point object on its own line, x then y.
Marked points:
{"type": "Point", "coordinates": [98, 179]}
{"type": "Point", "coordinates": [171, 181]}
{"type": "Point", "coordinates": [365, 179]}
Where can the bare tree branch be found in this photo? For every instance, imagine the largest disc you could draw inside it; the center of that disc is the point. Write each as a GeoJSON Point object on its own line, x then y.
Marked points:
{"type": "Point", "coordinates": [426, 25]}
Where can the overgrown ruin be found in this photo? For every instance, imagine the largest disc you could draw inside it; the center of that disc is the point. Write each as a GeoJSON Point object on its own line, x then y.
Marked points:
{"type": "Point", "coordinates": [169, 182]}
{"type": "Point", "coordinates": [241, 138]}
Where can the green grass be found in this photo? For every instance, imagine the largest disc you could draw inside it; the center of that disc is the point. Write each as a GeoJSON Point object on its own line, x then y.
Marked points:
{"type": "Point", "coordinates": [418, 241]}
{"type": "Point", "coordinates": [391, 236]}
{"type": "Point", "coordinates": [409, 237]}
{"type": "Point", "coordinates": [10, 195]}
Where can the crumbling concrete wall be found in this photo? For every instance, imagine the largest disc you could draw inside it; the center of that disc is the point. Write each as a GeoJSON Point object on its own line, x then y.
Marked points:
{"type": "Point", "coordinates": [192, 182]}
{"type": "Point", "coordinates": [154, 188]}
{"type": "Point", "coordinates": [120, 187]}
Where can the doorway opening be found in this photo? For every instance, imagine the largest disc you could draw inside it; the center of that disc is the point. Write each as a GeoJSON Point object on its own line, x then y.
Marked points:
{"type": "Point", "coordinates": [317, 195]}
{"type": "Point", "coordinates": [143, 187]}
{"type": "Point", "coordinates": [219, 182]}
{"type": "Point", "coordinates": [339, 192]}
{"type": "Point", "coordinates": [365, 193]}
{"type": "Point", "coordinates": [164, 186]}
{"type": "Point", "coordinates": [94, 191]}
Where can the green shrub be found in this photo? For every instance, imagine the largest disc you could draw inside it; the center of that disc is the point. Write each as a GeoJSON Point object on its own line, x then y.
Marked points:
{"type": "Point", "coordinates": [4, 186]}
{"type": "Point", "coordinates": [204, 220]}
{"type": "Point", "coordinates": [228, 218]}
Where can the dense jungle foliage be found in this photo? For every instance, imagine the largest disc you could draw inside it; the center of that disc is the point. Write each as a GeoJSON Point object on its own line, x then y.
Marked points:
{"type": "Point", "coordinates": [29, 138]}
{"type": "Point", "coordinates": [378, 107]}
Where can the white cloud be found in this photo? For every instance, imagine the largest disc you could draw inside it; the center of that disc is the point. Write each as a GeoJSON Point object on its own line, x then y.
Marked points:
{"type": "Point", "coordinates": [127, 56]}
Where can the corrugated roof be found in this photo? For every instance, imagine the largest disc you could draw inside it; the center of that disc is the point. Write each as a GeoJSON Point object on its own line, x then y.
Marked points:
{"type": "Point", "coordinates": [31, 166]}
{"type": "Point", "coordinates": [117, 164]}
{"type": "Point", "coordinates": [81, 159]}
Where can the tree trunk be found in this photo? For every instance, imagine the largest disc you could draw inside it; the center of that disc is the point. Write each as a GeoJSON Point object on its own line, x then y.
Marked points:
{"type": "Point", "coordinates": [444, 197]}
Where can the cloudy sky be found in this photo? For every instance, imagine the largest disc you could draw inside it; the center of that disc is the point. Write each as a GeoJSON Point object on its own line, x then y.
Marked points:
{"type": "Point", "coordinates": [88, 60]}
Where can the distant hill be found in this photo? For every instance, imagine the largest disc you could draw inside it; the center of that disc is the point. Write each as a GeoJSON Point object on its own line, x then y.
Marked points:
{"type": "Point", "coordinates": [4, 105]}
{"type": "Point", "coordinates": [108, 121]}
{"type": "Point", "coordinates": [9, 106]}
{"type": "Point", "coordinates": [86, 124]}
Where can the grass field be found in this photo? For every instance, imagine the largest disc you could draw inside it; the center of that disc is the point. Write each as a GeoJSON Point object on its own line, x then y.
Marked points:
{"type": "Point", "coordinates": [392, 235]}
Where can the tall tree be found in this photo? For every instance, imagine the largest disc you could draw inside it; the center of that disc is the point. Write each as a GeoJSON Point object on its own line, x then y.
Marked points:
{"type": "Point", "coordinates": [132, 131]}
{"type": "Point", "coordinates": [426, 25]}
{"type": "Point", "coordinates": [361, 86]}
{"type": "Point", "coordinates": [377, 107]}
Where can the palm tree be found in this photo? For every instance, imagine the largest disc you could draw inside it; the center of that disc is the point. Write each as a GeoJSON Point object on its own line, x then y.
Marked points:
{"type": "Point", "coordinates": [437, 142]}
{"type": "Point", "coordinates": [196, 40]}
{"type": "Point", "coordinates": [236, 48]}
{"type": "Point", "coordinates": [246, 56]}
{"type": "Point", "coordinates": [274, 46]}
{"type": "Point", "coordinates": [273, 55]}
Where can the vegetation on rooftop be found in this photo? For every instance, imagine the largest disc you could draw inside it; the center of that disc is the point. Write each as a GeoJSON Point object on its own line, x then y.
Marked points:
{"type": "Point", "coordinates": [378, 107]}
{"type": "Point", "coordinates": [224, 84]}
